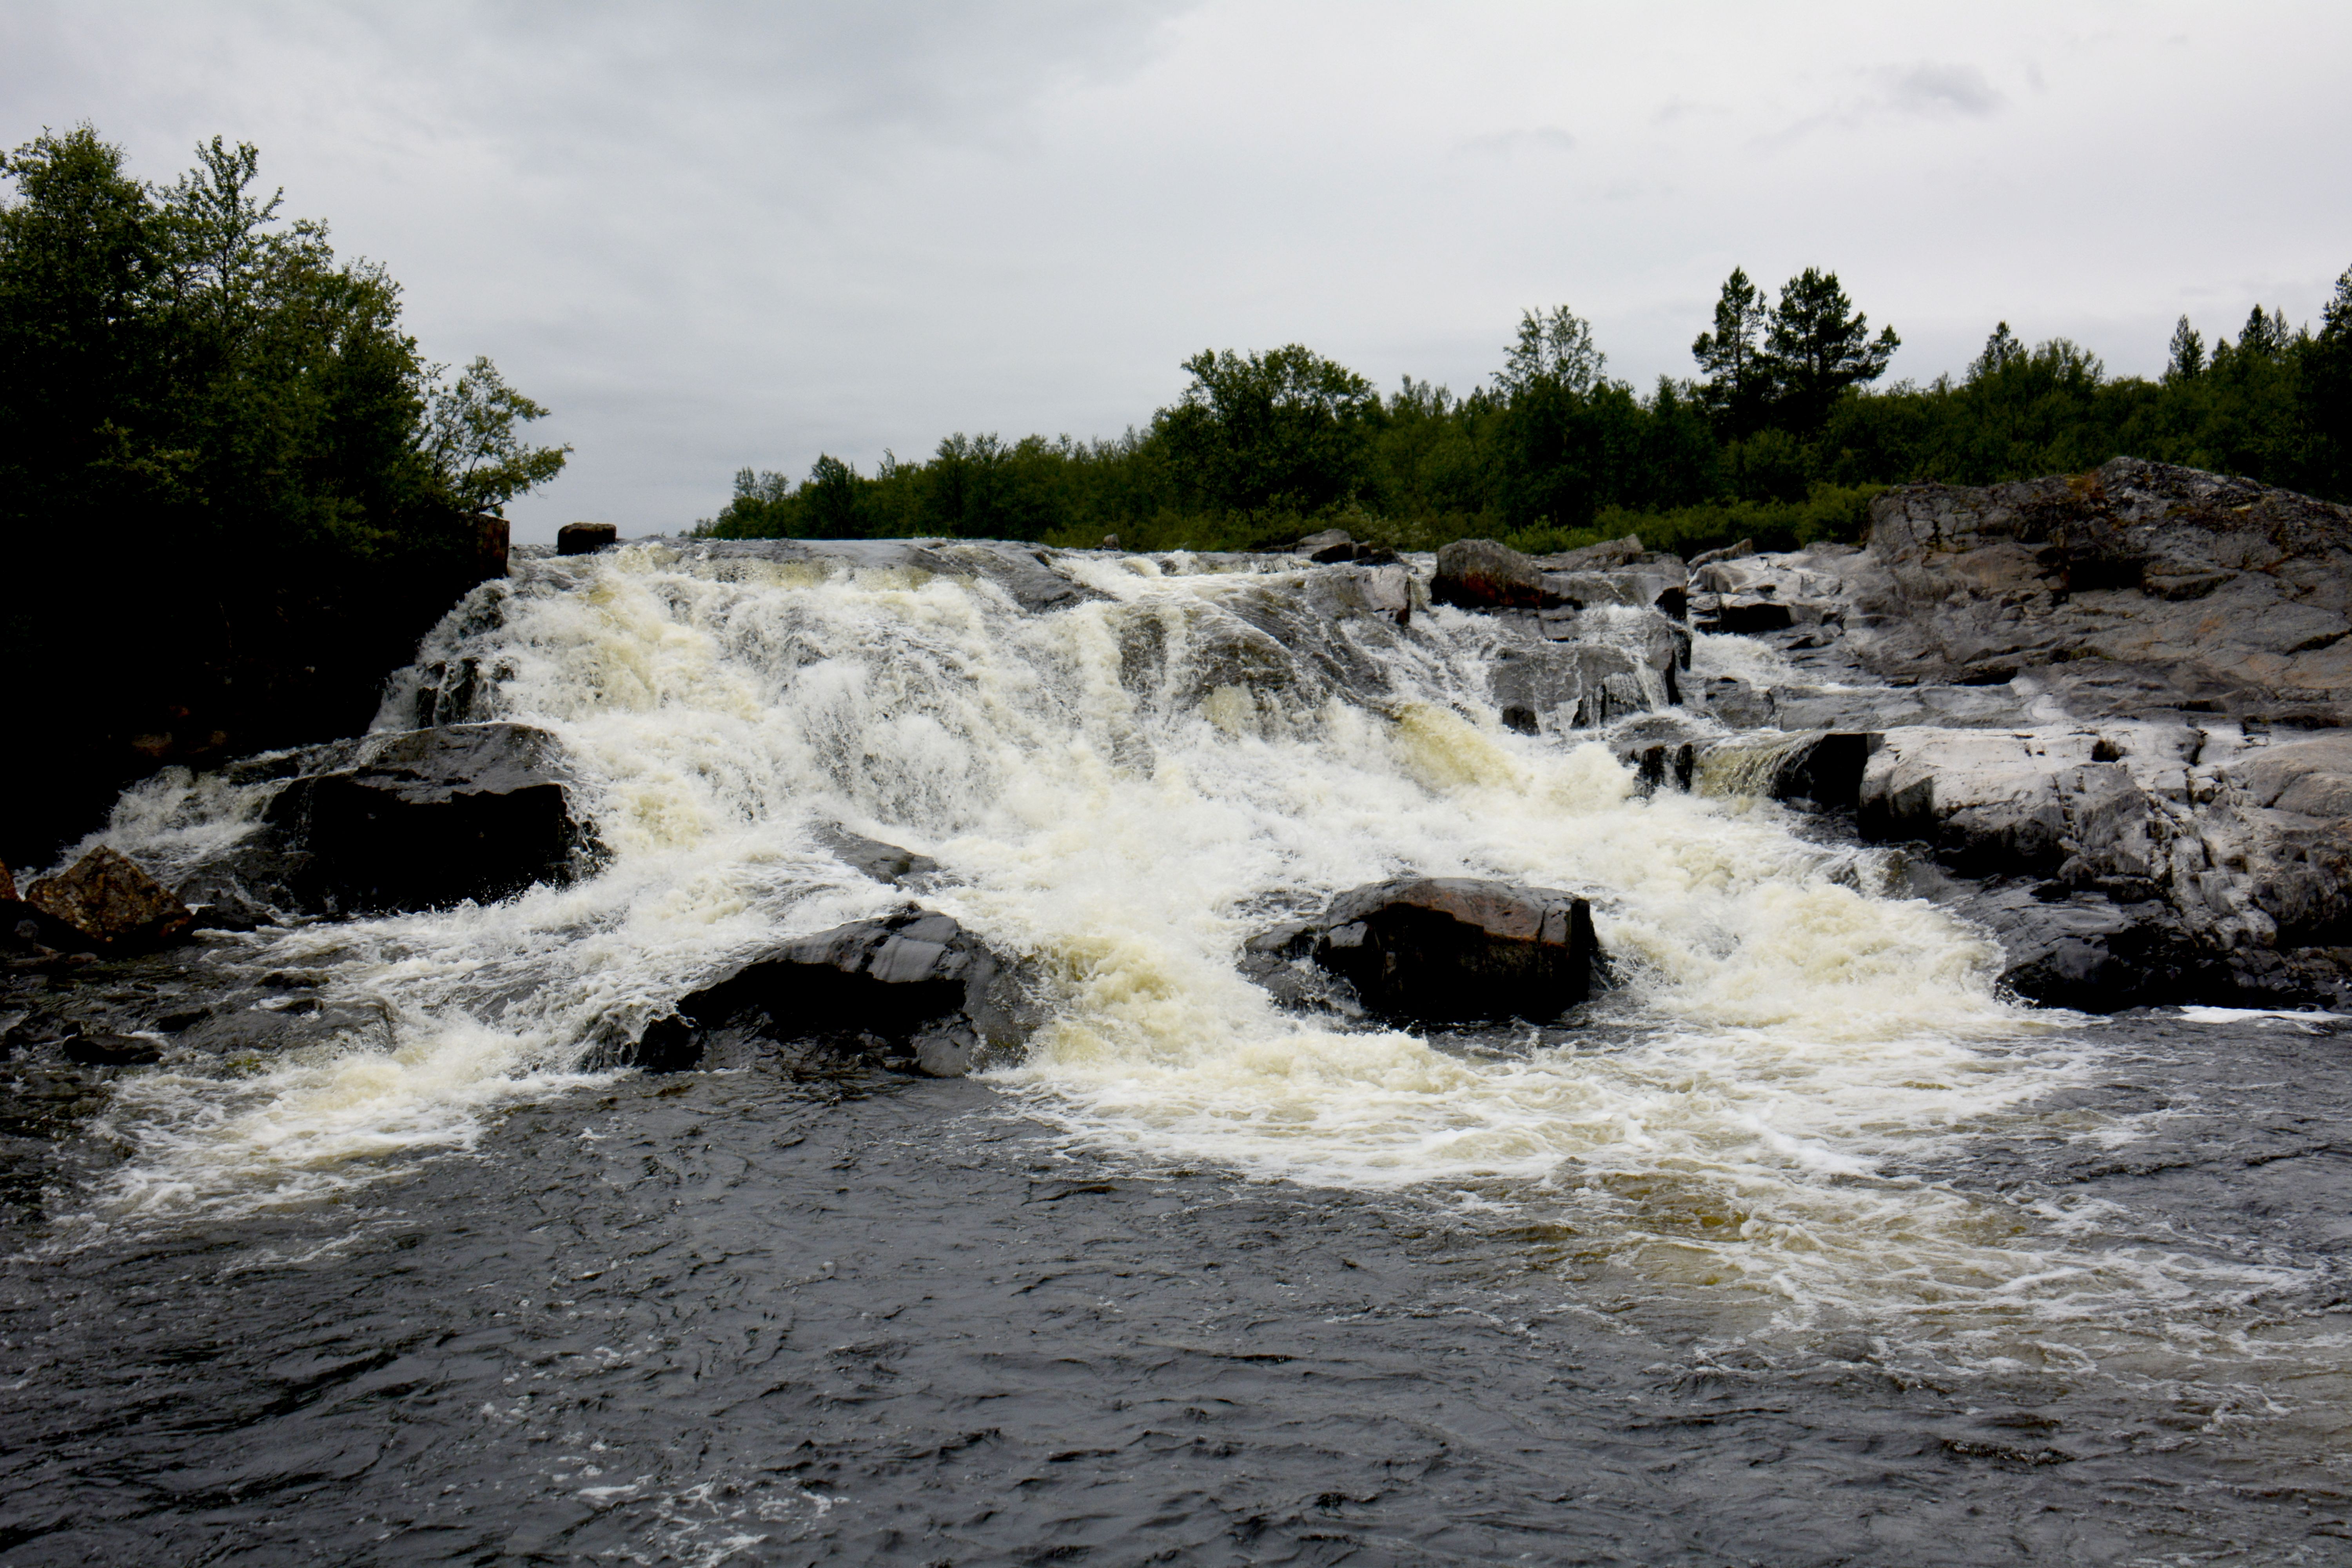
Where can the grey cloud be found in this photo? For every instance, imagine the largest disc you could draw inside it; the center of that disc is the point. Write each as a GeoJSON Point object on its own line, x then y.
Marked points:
{"type": "Point", "coordinates": [1930, 89]}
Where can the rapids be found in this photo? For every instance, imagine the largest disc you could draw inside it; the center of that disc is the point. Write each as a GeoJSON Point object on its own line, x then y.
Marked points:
{"type": "Point", "coordinates": [1803, 1137]}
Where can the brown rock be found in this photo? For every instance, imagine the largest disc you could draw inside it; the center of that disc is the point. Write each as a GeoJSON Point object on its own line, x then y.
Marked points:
{"type": "Point", "coordinates": [109, 902]}
{"type": "Point", "coordinates": [584, 537]}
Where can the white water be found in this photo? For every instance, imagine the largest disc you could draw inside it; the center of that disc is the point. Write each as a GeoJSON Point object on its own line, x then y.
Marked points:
{"type": "Point", "coordinates": [1786, 1047]}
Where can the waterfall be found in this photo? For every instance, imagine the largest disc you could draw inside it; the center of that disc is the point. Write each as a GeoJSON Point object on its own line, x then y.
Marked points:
{"type": "Point", "coordinates": [1120, 792]}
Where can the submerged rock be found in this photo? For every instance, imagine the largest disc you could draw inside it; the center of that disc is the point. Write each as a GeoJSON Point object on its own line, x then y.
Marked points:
{"type": "Point", "coordinates": [431, 818]}
{"type": "Point", "coordinates": [1441, 950]}
{"type": "Point", "coordinates": [872, 857]}
{"type": "Point", "coordinates": [913, 989]}
{"type": "Point", "coordinates": [107, 903]}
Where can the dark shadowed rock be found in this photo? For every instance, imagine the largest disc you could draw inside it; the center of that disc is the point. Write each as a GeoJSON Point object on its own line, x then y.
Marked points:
{"type": "Point", "coordinates": [913, 989]}
{"type": "Point", "coordinates": [1819, 770]}
{"type": "Point", "coordinates": [430, 817]}
{"type": "Point", "coordinates": [584, 537]}
{"type": "Point", "coordinates": [1441, 950]}
{"type": "Point", "coordinates": [1480, 575]}
{"type": "Point", "coordinates": [109, 904]}
{"type": "Point", "coordinates": [109, 1050]}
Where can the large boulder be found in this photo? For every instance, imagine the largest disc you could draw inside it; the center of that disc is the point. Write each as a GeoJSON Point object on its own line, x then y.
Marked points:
{"type": "Point", "coordinates": [584, 537]}
{"type": "Point", "coordinates": [105, 902]}
{"type": "Point", "coordinates": [431, 818]}
{"type": "Point", "coordinates": [1442, 950]}
{"type": "Point", "coordinates": [913, 989]}
{"type": "Point", "coordinates": [1481, 574]}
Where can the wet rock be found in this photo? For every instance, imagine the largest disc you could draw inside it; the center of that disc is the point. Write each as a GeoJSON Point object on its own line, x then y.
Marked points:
{"type": "Point", "coordinates": [1024, 571]}
{"type": "Point", "coordinates": [1441, 950]}
{"type": "Point", "coordinates": [913, 989]}
{"type": "Point", "coordinates": [1819, 772]}
{"type": "Point", "coordinates": [431, 818]}
{"type": "Point", "coordinates": [872, 857]}
{"type": "Point", "coordinates": [584, 537]}
{"type": "Point", "coordinates": [1578, 685]}
{"type": "Point", "coordinates": [257, 881]}
{"type": "Point", "coordinates": [106, 1050]}
{"type": "Point", "coordinates": [109, 904]}
{"type": "Point", "coordinates": [1481, 574]}
{"type": "Point", "coordinates": [1745, 595]}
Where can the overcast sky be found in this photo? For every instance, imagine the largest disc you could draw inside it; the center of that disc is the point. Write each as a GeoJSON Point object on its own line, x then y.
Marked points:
{"type": "Point", "coordinates": [712, 237]}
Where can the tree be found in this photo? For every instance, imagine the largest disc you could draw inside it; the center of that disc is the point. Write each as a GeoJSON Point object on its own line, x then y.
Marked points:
{"type": "Point", "coordinates": [473, 437]}
{"type": "Point", "coordinates": [829, 500]}
{"type": "Point", "coordinates": [1554, 346]}
{"type": "Point", "coordinates": [2186, 360]}
{"type": "Point", "coordinates": [2326, 390]}
{"type": "Point", "coordinates": [1286, 431]}
{"type": "Point", "coordinates": [1740, 382]}
{"type": "Point", "coordinates": [1820, 346]}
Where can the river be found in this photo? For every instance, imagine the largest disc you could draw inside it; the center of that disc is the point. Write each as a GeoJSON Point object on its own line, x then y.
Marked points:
{"type": "Point", "coordinates": [1801, 1245]}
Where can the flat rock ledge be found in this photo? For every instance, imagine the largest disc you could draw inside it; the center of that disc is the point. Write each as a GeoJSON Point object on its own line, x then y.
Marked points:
{"type": "Point", "coordinates": [1438, 949]}
{"type": "Point", "coordinates": [913, 989]}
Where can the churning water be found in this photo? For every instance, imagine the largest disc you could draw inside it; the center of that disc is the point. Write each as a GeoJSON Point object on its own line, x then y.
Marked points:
{"type": "Point", "coordinates": [1804, 1133]}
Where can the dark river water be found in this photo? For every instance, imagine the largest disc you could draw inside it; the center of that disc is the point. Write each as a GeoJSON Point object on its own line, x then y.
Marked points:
{"type": "Point", "coordinates": [737, 1318]}
{"type": "Point", "coordinates": [1803, 1246]}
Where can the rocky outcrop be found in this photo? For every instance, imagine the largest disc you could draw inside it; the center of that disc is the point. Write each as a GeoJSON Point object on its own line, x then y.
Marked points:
{"type": "Point", "coordinates": [1440, 950]}
{"type": "Point", "coordinates": [914, 990]}
{"type": "Point", "coordinates": [430, 817]}
{"type": "Point", "coordinates": [2137, 585]}
{"type": "Point", "coordinates": [1334, 547]}
{"type": "Point", "coordinates": [106, 904]}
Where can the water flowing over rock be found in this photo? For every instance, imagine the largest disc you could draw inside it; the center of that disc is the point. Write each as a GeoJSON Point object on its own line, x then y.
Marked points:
{"type": "Point", "coordinates": [1440, 950]}
{"type": "Point", "coordinates": [913, 989]}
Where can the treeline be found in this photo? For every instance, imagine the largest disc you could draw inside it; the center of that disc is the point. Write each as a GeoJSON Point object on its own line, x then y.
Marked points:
{"type": "Point", "coordinates": [229, 483]}
{"type": "Point", "coordinates": [1783, 437]}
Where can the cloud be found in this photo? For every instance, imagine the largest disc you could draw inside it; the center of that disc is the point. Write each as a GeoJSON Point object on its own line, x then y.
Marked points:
{"type": "Point", "coordinates": [1931, 88]}
{"type": "Point", "coordinates": [1528, 139]}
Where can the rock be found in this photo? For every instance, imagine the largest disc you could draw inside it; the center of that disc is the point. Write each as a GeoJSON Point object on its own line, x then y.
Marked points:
{"type": "Point", "coordinates": [584, 537]}
{"type": "Point", "coordinates": [109, 904]}
{"type": "Point", "coordinates": [1480, 575]}
{"type": "Point", "coordinates": [1755, 593]}
{"type": "Point", "coordinates": [1661, 585]}
{"type": "Point", "coordinates": [1580, 685]}
{"type": "Point", "coordinates": [109, 1050]}
{"type": "Point", "coordinates": [914, 990]}
{"type": "Point", "coordinates": [1110, 541]}
{"type": "Point", "coordinates": [257, 881]}
{"type": "Point", "coordinates": [1443, 950]}
{"type": "Point", "coordinates": [1819, 772]}
{"type": "Point", "coordinates": [1728, 552]}
{"type": "Point", "coordinates": [872, 857]}
{"type": "Point", "coordinates": [2137, 586]}
{"type": "Point", "coordinates": [431, 818]}
{"type": "Point", "coordinates": [1625, 551]}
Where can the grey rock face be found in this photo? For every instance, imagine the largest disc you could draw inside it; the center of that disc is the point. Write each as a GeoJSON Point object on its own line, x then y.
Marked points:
{"type": "Point", "coordinates": [1480, 575]}
{"type": "Point", "coordinates": [1441, 950]}
{"type": "Point", "coordinates": [872, 857]}
{"type": "Point", "coordinates": [914, 990]}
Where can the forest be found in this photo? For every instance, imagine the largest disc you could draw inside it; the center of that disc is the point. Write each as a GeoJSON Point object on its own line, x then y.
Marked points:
{"type": "Point", "coordinates": [1781, 437]}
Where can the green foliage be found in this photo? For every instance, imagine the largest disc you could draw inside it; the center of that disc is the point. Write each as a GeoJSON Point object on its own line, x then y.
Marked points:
{"type": "Point", "coordinates": [200, 396]}
{"type": "Point", "coordinates": [1283, 432]}
{"type": "Point", "coordinates": [473, 440]}
{"type": "Point", "coordinates": [1783, 440]}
